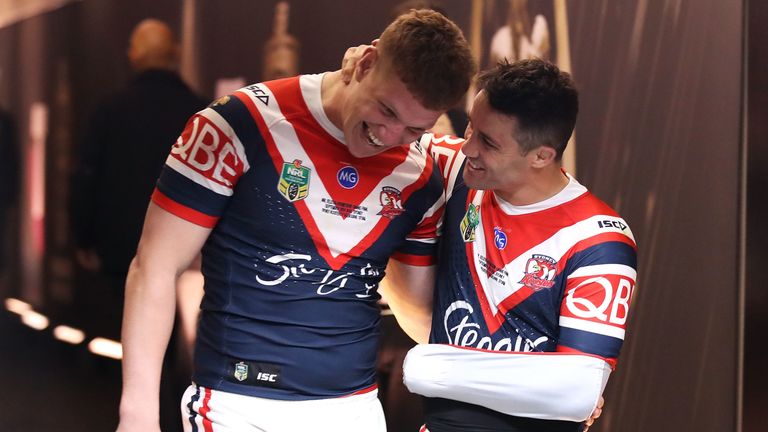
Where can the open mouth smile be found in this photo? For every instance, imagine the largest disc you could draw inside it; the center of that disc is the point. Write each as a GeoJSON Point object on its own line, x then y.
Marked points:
{"type": "Point", "coordinates": [372, 139]}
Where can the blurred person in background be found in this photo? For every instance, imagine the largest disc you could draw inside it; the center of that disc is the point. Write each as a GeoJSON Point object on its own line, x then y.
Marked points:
{"type": "Point", "coordinates": [128, 138]}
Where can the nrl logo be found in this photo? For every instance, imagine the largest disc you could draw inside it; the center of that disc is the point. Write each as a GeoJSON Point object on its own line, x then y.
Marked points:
{"type": "Point", "coordinates": [294, 181]}
{"type": "Point", "coordinates": [241, 371]}
{"type": "Point", "coordinates": [391, 202]}
{"type": "Point", "coordinates": [540, 271]}
{"type": "Point", "coordinates": [468, 224]}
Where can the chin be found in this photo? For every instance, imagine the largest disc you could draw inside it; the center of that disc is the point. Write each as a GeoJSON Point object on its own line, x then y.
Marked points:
{"type": "Point", "coordinates": [361, 150]}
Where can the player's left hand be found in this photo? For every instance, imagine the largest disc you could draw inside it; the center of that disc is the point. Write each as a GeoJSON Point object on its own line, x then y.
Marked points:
{"type": "Point", "coordinates": [351, 57]}
{"type": "Point", "coordinates": [595, 414]}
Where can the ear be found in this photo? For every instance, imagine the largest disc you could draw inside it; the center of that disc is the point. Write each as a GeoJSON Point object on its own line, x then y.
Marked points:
{"type": "Point", "coordinates": [367, 62]}
{"type": "Point", "coordinates": [542, 156]}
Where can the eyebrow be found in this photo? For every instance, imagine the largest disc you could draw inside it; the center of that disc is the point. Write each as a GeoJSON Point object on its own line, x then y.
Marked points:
{"type": "Point", "coordinates": [397, 116]}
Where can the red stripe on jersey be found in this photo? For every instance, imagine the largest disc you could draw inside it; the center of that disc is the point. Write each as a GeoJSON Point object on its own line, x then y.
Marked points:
{"type": "Point", "coordinates": [368, 389]}
{"type": "Point", "coordinates": [528, 230]}
{"type": "Point", "coordinates": [182, 211]}
{"type": "Point", "coordinates": [592, 241]}
{"type": "Point", "coordinates": [568, 350]}
{"type": "Point", "coordinates": [415, 260]}
{"type": "Point", "coordinates": [427, 228]}
{"type": "Point", "coordinates": [204, 410]}
{"type": "Point", "coordinates": [301, 207]}
{"type": "Point", "coordinates": [492, 321]}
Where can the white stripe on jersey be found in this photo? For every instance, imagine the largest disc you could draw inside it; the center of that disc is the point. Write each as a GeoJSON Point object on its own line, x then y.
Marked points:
{"type": "Point", "coordinates": [453, 155]}
{"type": "Point", "coordinates": [196, 177]}
{"type": "Point", "coordinates": [222, 124]}
{"type": "Point", "coordinates": [555, 247]}
{"type": "Point", "coordinates": [592, 327]}
{"type": "Point", "coordinates": [605, 269]}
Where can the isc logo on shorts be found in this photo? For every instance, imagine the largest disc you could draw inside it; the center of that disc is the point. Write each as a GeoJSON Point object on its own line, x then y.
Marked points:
{"type": "Point", "coordinates": [255, 374]}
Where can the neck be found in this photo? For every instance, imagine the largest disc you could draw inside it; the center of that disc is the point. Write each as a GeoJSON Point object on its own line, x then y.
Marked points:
{"type": "Point", "coordinates": [332, 95]}
{"type": "Point", "coordinates": [540, 186]}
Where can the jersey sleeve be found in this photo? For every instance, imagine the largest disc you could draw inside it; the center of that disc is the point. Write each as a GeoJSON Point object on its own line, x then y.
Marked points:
{"type": "Point", "coordinates": [420, 246]}
{"type": "Point", "coordinates": [600, 285]}
{"type": "Point", "coordinates": [202, 170]}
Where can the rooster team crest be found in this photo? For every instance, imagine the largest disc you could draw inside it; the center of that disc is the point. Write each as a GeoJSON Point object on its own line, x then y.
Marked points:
{"type": "Point", "coordinates": [391, 202]}
{"type": "Point", "coordinates": [241, 371]}
{"type": "Point", "coordinates": [540, 271]}
{"type": "Point", "coordinates": [469, 223]}
{"type": "Point", "coordinates": [294, 181]}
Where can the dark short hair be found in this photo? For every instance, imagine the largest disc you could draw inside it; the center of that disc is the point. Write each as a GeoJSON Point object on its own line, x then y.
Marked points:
{"type": "Point", "coordinates": [430, 55]}
{"type": "Point", "coordinates": [542, 98]}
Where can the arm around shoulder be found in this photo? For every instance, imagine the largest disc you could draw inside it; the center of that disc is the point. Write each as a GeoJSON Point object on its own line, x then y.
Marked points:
{"type": "Point", "coordinates": [549, 386]}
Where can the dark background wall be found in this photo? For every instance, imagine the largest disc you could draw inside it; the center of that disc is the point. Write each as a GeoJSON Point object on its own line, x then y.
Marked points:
{"type": "Point", "coordinates": [659, 137]}
{"type": "Point", "coordinates": [756, 301]}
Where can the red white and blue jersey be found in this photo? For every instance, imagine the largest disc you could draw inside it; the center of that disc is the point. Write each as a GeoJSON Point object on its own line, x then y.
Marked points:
{"type": "Point", "coordinates": [557, 275]}
{"type": "Point", "coordinates": [302, 232]}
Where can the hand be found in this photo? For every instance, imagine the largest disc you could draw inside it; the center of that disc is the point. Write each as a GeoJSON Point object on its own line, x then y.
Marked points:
{"type": "Point", "coordinates": [351, 57]}
{"type": "Point", "coordinates": [595, 414]}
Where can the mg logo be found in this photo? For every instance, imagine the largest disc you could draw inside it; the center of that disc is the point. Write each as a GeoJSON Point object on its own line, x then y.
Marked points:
{"type": "Point", "coordinates": [500, 238]}
{"type": "Point", "coordinates": [347, 177]}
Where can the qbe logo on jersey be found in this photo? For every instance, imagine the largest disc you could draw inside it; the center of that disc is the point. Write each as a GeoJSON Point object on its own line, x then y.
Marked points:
{"type": "Point", "coordinates": [294, 181]}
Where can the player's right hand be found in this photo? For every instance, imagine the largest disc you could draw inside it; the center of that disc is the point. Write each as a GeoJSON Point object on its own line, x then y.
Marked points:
{"type": "Point", "coordinates": [351, 58]}
{"type": "Point", "coordinates": [595, 414]}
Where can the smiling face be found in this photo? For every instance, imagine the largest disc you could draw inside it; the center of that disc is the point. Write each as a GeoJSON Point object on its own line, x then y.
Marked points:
{"type": "Point", "coordinates": [495, 159]}
{"type": "Point", "coordinates": [380, 112]}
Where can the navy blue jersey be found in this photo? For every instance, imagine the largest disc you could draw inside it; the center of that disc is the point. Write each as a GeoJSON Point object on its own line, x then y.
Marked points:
{"type": "Point", "coordinates": [557, 275]}
{"type": "Point", "coordinates": [302, 232]}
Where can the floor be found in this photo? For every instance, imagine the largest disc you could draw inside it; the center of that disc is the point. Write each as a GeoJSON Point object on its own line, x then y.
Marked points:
{"type": "Point", "coordinates": [52, 386]}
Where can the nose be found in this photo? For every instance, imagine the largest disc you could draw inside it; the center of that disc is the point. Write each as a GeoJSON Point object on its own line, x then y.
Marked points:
{"type": "Point", "coordinates": [393, 132]}
{"type": "Point", "coordinates": [469, 148]}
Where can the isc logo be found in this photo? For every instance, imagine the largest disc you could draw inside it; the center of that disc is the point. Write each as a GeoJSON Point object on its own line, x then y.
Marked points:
{"type": "Point", "coordinates": [263, 376]}
{"type": "Point", "coordinates": [203, 147]}
{"type": "Point", "coordinates": [612, 224]}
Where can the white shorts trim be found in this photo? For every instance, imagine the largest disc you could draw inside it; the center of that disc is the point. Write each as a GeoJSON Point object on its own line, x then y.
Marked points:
{"type": "Point", "coordinates": [206, 410]}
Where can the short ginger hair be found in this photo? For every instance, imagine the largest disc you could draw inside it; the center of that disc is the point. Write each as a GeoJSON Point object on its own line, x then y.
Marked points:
{"type": "Point", "coordinates": [430, 55]}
